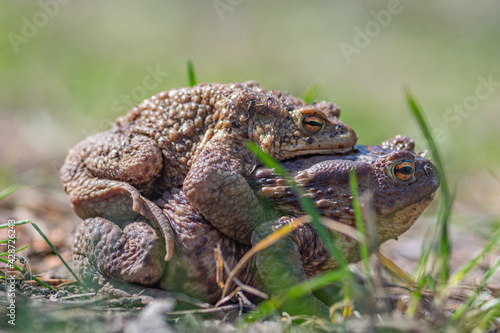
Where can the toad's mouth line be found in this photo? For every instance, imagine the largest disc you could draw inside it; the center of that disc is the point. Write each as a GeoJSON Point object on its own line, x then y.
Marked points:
{"type": "Point", "coordinates": [412, 207]}
{"type": "Point", "coordinates": [321, 151]}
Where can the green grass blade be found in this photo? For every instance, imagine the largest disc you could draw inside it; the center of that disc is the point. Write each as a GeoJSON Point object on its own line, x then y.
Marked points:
{"type": "Point", "coordinates": [56, 252]}
{"type": "Point", "coordinates": [310, 209]}
{"type": "Point", "coordinates": [489, 312]}
{"type": "Point", "coordinates": [311, 93]}
{"type": "Point", "coordinates": [7, 240]}
{"type": "Point", "coordinates": [461, 273]}
{"type": "Point", "coordinates": [467, 304]}
{"type": "Point", "coordinates": [18, 250]}
{"type": "Point", "coordinates": [268, 160]}
{"type": "Point", "coordinates": [416, 296]}
{"type": "Point", "coordinates": [8, 191]}
{"type": "Point", "coordinates": [10, 225]}
{"type": "Point", "coordinates": [492, 173]}
{"type": "Point", "coordinates": [191, 74]}
{"type": "Point", "coordinates": [422, 123]}
{"type": "Point", "coordinates": [316, 283]}
{"type": "Point", "coordinates": [358, 219]}
{"type": "Point", "coordinates": [5, 261]}
{"type": "Point", "coordinates": [305, 202]}
{"type": "Point", "coordinates": [443, 247]}
{"type": "Point", "coordinates": [264, 309]}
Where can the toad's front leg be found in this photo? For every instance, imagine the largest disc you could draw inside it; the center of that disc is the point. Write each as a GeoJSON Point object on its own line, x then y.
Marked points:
{"type": "Point", "coordinates": [109, 173]}
{"type": "Point", "coordinates": [217, 187]}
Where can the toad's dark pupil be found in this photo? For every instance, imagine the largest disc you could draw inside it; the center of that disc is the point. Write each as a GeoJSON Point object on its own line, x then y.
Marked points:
{"type": "Point", "coordinates": [312, 123]}
{"type": "Point", "coordinates": [406, 170]}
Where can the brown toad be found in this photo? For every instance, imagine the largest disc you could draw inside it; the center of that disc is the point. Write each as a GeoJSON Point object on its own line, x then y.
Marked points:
{"type": "Point", "coordinates": [402, 184]}
{"type": "Point", "coordinates": [195, 138]}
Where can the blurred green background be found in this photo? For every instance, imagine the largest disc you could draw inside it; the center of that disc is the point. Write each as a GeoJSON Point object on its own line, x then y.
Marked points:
{"type": "Point", "coordinates": [68, 68]}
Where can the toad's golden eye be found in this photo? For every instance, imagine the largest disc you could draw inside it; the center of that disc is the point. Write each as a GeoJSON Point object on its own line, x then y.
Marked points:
{"type": "Point", "coordinates": [313, 123]}
{"type": "Point", "coordinates": [404, 170]}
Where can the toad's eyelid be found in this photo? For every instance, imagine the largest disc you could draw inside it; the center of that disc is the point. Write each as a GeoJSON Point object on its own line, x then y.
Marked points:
{"type": "Point", "coordinates": [400, 156]}
{"type": "Point", "coordinates": [396, 162]}
{"type": "Point", "coordinates": [404, 163]}
{"type": "Point", "coordinates": [312, 111]}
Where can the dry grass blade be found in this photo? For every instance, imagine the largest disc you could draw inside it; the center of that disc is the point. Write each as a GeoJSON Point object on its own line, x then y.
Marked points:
{"type": "Point", "coordinates": [77, 296]}
{"type": "Point", "coordinates": [266, 242]}
{"type": "Point", "coordinates": [394, 269]}
{"type": "Point", "coordinates": [219, 266]}
{"type": "Point", "coordinates": [222, 267]}
{"type": "Point", "coordinates": [204, 311]}
{"type": "Point", "coordinates": [342, 228]}
{"type": "Point", "coordinates": [226, 298]}
{"type": "Point", "coordinates": [252, 290]}
{"type": "Point", "coordinates": [51, 282]}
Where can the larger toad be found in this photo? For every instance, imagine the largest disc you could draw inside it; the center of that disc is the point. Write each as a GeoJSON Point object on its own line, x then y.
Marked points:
{"type": "Point", "coordinates": [195, 138]}
{"type": "Point", "coordinates": [401, 182]}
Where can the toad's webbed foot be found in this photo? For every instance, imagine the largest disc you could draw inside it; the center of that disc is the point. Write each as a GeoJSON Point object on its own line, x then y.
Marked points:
{"type": "Point", "coordinates": [102, 250]}
{"type": "Point", "coordinates": [108, 174]}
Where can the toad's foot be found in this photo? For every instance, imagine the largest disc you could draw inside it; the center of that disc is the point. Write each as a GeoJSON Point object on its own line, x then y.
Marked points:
{"type": "Point", "coordinates": [110, 179]}
{"type": "Point", "coordinates": [102, 250]}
